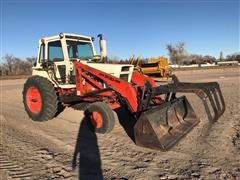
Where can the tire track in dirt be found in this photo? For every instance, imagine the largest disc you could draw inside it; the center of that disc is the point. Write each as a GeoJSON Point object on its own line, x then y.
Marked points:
{"type": "Point", "coordinates": [210, 153]}
{"type": "Point", "coordinates": [33, 164]}
{"type": "Point", "coordinates": [14, 169]}
{"type": "Point", "coordinates": [195, 157]}
{"type": "Point", "coordinates": [218, 158]}
{"type": "Point", "coordinates": [23, 159]}
{"type": "Point", "coordinates": [236, 138]}
{"type": "Point", "coordinates": [133, 160]}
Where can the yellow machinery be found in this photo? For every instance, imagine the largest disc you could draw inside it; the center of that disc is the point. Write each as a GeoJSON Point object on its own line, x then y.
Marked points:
{"type": "Point", "coordinates": [156, 68]}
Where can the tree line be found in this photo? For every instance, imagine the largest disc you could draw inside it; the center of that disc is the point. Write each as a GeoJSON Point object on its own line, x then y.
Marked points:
{"type": "Point", "coordinates": [179, 55]}
{"type": "Point", "coordinates": [11, 65]}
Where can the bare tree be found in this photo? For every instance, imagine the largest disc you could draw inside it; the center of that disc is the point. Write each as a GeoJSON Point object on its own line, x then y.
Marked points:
{"type": "Point", "coordinates": [177, 52]}
{"type": "Point", "coordinates": [1, 70]}
{"type": "Point", "coordinates": [209, 59]}
{"type": "Point", "coordinates": [233, 57]}
{"type": "Point", "coordinates": [29, 64]}
{"type": "Point", "coordinates": [12, 65]}
{"type": "Point", "coordinates": [8, 63]}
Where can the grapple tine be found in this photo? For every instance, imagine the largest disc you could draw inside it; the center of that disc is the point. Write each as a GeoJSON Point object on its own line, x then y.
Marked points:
{"type": "Point", "coordinates": [214, 92]}
{"type": "Point", "coordinates": [221, 99]}
{"type": "Point", "coordinates": [213, 104]}
{"type": "Point", "coordinates": [209, 91]}
{"type": "Point", "coordinates": [203, 97]}
{"type": "Point", "coordinates": [205, 91]}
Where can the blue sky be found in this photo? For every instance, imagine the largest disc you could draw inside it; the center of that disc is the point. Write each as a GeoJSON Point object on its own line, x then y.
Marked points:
{"type": "Point", "coordinates": [139, 27]}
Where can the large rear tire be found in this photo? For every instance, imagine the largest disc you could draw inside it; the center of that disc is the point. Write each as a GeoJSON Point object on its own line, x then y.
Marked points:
{"type": "Point", "coordinates": [40, 99]}
{"type": "Point", "coordinates": [101, 117]}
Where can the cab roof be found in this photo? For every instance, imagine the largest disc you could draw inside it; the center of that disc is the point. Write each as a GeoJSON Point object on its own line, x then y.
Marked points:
{"type": "Point", "coordinates": [68, 36]}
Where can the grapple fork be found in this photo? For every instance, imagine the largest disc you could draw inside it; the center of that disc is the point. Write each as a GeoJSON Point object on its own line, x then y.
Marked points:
{"type": "Point", "coordinates": [161, 126]}
{"type": "Point", "coordinates": [205, 91]}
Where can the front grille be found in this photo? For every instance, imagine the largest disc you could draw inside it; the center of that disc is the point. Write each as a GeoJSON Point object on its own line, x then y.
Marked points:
{"type": "Point", "coordinates": [124, 77]}
{"type": "Point", "coordinates": [125, 68]}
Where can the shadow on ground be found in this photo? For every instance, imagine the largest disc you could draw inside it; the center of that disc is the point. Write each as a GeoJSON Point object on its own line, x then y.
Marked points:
{"type": "Point", "coordinates": [127, 122]}
{"type": "Point", "coordinates": [87, 152]}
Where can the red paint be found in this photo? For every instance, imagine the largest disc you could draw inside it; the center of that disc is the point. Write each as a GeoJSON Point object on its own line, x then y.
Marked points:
{"type": "Point", "coordinates": [96, 119]}
{"type": "Point", "coordinates": [114, 106]}
{"type": "Point", "coordinates": [34, 100]}
{"type": "Point", "coordinates": [139, 79]}
{"type": "Point", "coordinates": [89, 79]}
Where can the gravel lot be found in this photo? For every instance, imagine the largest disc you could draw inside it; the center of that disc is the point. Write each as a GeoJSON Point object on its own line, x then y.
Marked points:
{"type": "Point", "coordinates": [48, 150]}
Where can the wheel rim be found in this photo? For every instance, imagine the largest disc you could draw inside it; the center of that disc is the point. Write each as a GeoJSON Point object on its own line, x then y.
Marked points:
{"type": "Point", "coordinates": [34, 100]}
{"type": "Point", "coordinates": [96, 119]}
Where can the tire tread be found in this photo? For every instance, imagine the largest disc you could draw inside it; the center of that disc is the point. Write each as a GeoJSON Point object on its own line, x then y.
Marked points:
{"type": "Point", "coordinates": [49, 98]}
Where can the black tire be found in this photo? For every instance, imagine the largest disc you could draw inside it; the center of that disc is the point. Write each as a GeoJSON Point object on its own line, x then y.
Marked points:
{"type": "Point", "coordinates": [80, 106]}
{"type": "Point", "coordinates": [49, 99]}
{"type": "Point", "coordinates": [107, 115]}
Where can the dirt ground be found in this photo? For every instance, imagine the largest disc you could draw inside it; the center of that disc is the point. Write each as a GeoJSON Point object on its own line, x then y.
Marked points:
{"type": "Point", "coordinates": [50, 150]}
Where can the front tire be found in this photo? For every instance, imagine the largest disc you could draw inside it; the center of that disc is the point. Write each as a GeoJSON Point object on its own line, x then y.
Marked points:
{"type": "Point", "coordinates": [40, 99]}
{"type": "Point", "coordinates": [81, 106]}
{"type": "Point", "coordinates": [101, 117]}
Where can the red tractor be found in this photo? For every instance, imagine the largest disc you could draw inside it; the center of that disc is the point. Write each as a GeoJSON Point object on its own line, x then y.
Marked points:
{"type": "Point", "coordinates": [68, 74]}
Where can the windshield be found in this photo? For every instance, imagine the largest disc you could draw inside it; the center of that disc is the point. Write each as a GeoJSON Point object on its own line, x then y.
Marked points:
{"type": "Point", "coordinates": [80, 50]}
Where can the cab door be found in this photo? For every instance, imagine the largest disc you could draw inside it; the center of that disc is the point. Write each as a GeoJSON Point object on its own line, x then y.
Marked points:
{"type": "Point", "coordinates": [55, 54]}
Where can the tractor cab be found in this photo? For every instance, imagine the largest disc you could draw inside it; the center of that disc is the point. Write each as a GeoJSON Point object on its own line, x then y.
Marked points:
{"type": "Point", "coordinates": [57, 54]}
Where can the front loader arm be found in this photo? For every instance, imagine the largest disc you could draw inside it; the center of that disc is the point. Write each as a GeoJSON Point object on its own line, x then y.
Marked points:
{"type": "Point", "coordinates": [121, 87]}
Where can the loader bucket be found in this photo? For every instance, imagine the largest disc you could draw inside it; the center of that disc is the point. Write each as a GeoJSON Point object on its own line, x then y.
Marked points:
{"type": "Point", "coordinates": [163, 126]}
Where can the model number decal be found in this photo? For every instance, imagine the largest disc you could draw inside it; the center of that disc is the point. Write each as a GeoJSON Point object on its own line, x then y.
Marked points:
{"type": "Point", "coordinates": [109, 77]}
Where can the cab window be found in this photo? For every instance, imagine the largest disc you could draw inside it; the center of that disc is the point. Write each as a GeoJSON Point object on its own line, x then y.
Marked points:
{"type": "Point", "coordinates": [55, 52]}
{"type": "Point", "coordinates": [81, 50]}
{"type": "Point", "coordinates": [41, 53]}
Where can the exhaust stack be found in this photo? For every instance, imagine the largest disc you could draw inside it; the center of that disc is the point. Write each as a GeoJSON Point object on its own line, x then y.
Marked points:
{"type": "Point", "coordinates": [103, 48]}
